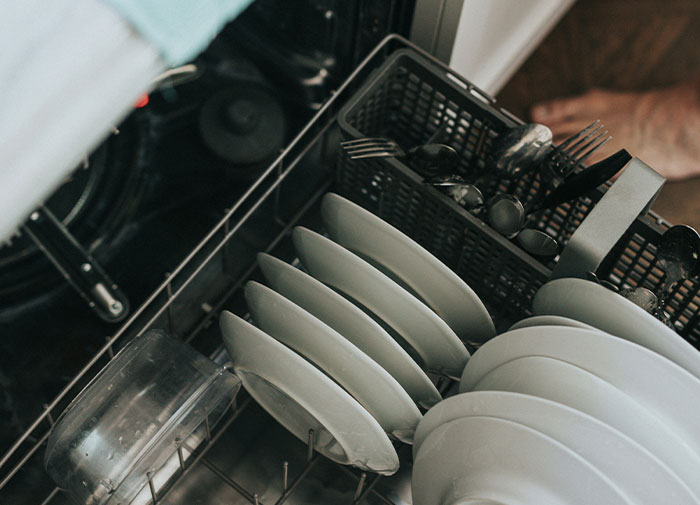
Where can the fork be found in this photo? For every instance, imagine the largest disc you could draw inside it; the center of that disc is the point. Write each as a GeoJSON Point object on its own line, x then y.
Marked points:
{"type": "Point", "coordinates": [569, 155]}
{"type": "Point", "coordinates": [374, 147]}
{"type": "Point", "coordinates": [382, 147]}
{"type": "Point", "coordinates": [428, 160]}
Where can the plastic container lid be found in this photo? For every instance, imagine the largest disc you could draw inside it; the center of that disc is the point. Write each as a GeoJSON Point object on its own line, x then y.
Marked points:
{"type": "Point", "coordinates": [128, 422]}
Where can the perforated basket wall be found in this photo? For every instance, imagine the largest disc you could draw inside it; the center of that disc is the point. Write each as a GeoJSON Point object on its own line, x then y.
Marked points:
{"type": "Point", "coordinates": [409, 99]}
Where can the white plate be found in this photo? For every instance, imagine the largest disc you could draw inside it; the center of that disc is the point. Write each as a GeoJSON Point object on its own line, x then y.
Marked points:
{"type": "Point", "coordinates": [356, 372]}
{"type": "Point", "coordinates": [598, 306]}
{"type": "Point", "coordinates": [483, 459]}
{"type": "Point", "coordinates": [434, 341]}
{"type": "Point", "coordinates": [352, 323]}
{"type": "Point", "coordinates": [662, 386]}
{"type": "Point", "coordinates": [443, 290]}
{"type": "Point", "coordinates": [529, 322]}
{"type": "Point", "coordinates": [572, 386]}
{"type": "Point", "coordinates": [300, 397]}
{"type": "Point", "coordinates": [641, 476]}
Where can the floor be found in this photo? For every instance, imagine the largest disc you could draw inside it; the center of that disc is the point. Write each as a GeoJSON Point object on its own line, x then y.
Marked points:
{"type": "Point", "coordinates": [620, 45]}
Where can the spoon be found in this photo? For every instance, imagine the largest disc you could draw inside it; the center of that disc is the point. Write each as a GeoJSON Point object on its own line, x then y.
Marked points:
{"type": "Point", "coordinates": [516, 151]}
{"type": "Point", "coordinates": [430, 160]}
{"type": "Point", "coordinates": [642, 297]}
{"type": "Point", "coordinates": [678, 254]}
{"type": "Point", "coordinates": [537, 243]}
{"type": "Point", "coordinates": [506, 215]}
{"type": "Point", "coordinates": [606, 284]}
{"type": "Point", "coordinates": [466, 195]}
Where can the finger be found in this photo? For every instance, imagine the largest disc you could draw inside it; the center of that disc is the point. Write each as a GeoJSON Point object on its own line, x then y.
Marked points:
{"type": "Point", "coordinates": [565, 129]}
{"type": "Point", "coordinates": [559, 109]}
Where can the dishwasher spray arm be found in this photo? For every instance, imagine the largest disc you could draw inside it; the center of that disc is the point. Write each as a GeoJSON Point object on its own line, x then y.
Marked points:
{"type": "Point", "coordinates": [76, 265]}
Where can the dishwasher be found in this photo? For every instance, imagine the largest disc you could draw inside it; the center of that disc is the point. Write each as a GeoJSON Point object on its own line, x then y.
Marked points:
{"type": "Point", "coordinates": [244, 455]}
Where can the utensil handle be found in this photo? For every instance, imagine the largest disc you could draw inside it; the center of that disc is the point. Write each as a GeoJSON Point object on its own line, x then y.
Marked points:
{"type": "Point", "coordinates": [631, 195]}
{"type": "Point", "coordinates": [587, 180]}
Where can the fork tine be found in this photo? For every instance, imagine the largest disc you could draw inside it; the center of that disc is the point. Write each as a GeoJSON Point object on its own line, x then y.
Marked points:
{"type": "Point", "coordinates": [371, 149]}
{"type": "Point", "coordinates": [582, 144]}
{"type": "Point", "coordinates": [593, 149]}
{"type": "Point", "coordinates": [370, 145]}
{"type": "Point", "coordinates": [565, 145]}
{"type": "Point", "coordinates": [380, 140]}
{"type": "Point", "coordinates": [578, 152]}
{"type": "Point", "coordinates": [568, 154]}
{"type": "Point", "coordinates": [377, 154]}
{"type": "Point", "coordinates": [581, 156]}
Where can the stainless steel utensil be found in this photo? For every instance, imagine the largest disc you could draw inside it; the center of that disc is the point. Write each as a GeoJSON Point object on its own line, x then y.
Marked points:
{"type": "Point", "coordinates": [569, 155]}
{"type": "Point", "coordinates": [466, 195]}
{"type": "Point", "coordinates": [643, 297]}
{"type": "Point", "coordinates": [520, 149]}
{"type": "Point", "coordinates": [506, 215]}
{"type": "Point", "coordinates": [678, 254]}
{"type": "Point", "coordinates": [585, 181]}
{"type": "Point", "coordinates": [538, 243]}
{"type": "Point", "coordinates": [427, 159]}
{"type": "Point", "coordinates": [591, 276]}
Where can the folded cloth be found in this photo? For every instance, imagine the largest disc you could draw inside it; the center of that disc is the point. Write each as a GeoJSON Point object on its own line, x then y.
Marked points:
{"type": "Point", "coordinates": [180, 29]}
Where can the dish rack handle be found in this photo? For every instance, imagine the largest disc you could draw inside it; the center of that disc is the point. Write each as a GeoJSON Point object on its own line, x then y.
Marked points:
{"type": "Point", "coordinates": [632, 194]}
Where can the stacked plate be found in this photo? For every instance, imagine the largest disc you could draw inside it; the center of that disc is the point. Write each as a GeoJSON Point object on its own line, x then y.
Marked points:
{"type": "Point", "coordinates": [344, 350]}
{"type": "Point", "coordinates": [593, 400]}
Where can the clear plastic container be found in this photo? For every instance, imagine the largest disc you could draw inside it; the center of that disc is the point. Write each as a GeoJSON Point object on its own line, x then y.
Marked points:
{"type": "Point", "coordinates": [157, 393]}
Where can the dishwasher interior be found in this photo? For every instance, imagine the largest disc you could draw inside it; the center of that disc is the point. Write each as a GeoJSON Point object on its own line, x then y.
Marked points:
{"type": "Point", "coordinates": [248, 457]}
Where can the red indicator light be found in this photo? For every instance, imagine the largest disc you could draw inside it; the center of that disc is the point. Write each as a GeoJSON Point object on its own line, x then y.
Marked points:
{"type": "Point", "coordinates": [142, 102]}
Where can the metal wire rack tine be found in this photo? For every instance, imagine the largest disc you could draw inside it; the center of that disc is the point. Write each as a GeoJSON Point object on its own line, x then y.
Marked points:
{"type": "Point", "coordinates": [180, 456]}
{"type": "Point", "coordinates": [207, 427]}
{"type": "Point", "coordinates": [285, 474]}
{"type": "Point", "coordinates": [360, 486]}
{"type": "Point", "coordinates": [440, 382]}
{"type": "Point", "coordinates": [51, 496]}
{"type": "Point", "coordinates": [169, 292]}
{"type": "Point", "coordinates": [110, 350]}
{"type": "Point", "coordinates": [49, 417]}
{"type": "Point", "coordinates": [256, 500]}
{"type": "Point", "coordinates": [149, 476]}
{"type": "Point", "coordinates": [310, 449]}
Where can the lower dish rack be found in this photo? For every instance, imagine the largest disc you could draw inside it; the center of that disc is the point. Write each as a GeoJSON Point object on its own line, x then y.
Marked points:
{"type": "Point", "coordinates": [247, 457]}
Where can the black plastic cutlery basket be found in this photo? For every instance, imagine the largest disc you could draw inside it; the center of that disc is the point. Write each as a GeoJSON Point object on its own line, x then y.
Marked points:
{"type": "Point", "coordinates": [414, 101]}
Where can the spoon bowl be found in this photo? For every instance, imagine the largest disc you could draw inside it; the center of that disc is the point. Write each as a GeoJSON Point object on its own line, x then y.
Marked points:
{"type": "Point", "coordinates": [506, 215]}
{"type": "Point", "coordinates": [678, 253]}
{"type": "Point", "coordinates": [457, 188]}
{"type": "Point", "coordinates": [430, 160]}
{"type": "Point", "coordinates": [642, 297]}
{"type": "Point", "coordinates": [520, 149]}
{"type": "Point", "coordinates": [538, 243]}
